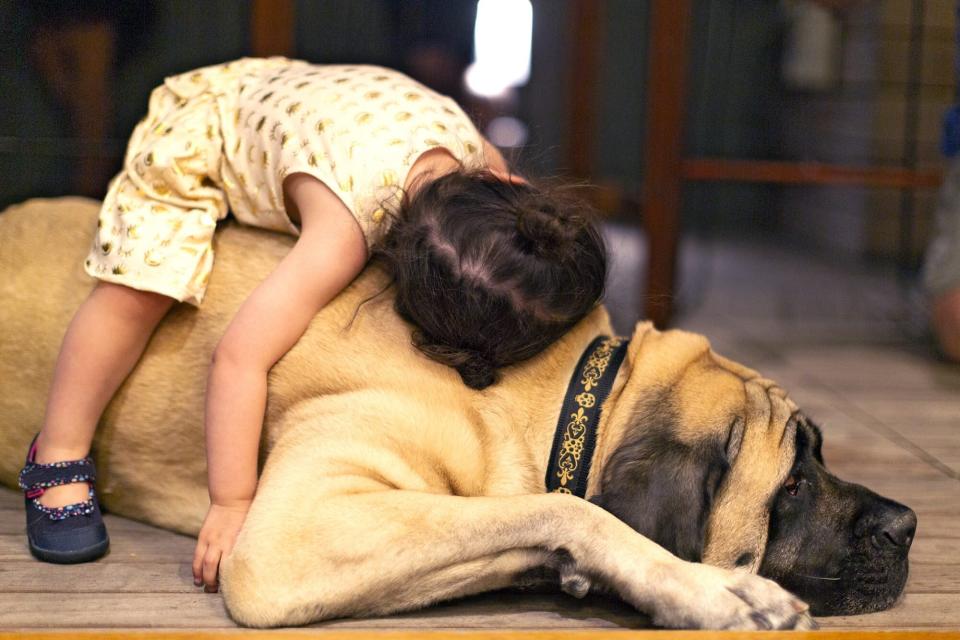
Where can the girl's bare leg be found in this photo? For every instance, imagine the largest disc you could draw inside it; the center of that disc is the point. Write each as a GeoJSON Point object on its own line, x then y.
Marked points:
{"type": "Point", "coordinates": [104, 341]}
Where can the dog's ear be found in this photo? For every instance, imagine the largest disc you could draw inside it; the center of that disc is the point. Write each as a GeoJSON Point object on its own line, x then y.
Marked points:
{"type": "Point", "coordinates": [664, 488]}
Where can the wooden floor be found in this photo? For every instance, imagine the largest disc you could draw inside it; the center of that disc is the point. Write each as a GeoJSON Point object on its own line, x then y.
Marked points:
{"type": "Point", "coordinates": [889, 410]}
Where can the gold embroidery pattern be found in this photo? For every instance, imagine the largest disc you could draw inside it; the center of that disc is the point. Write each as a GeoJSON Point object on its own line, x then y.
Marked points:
{"type": "Point", "coordinates": [575, 431]}
{"type": "Point", "coordinates": [586, 399]}
{"type": "Point", "coordinates": [597, 363]}
{"type": "Point", "coordinates": [572, 447]}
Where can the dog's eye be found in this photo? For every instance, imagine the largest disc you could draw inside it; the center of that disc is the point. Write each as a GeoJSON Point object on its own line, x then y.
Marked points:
{"type": "Point", "coordinates": [792, 485]}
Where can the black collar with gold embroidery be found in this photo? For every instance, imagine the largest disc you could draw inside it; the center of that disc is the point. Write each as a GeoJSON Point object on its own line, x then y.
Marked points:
{"type": "Point", "coordinates": [576, 432]}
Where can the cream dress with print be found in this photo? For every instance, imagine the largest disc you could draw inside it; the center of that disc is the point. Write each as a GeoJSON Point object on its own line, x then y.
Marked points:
{"type": "Point", "coordinates": [223, 138]}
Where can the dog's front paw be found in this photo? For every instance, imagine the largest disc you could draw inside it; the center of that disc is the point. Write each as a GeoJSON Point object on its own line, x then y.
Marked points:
{"type": "Point", "coordinates": [769, 605]}
{"type": "Point", "coordinates": [704, 597]}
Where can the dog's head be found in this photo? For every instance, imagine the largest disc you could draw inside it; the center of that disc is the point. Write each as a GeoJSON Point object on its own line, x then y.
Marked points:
{"type": "Point", "coordinates": [718, 465]}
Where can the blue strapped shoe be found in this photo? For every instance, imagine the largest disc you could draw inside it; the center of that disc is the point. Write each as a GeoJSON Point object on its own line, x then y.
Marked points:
{"type": "Point", "coordinates": [63, 535]}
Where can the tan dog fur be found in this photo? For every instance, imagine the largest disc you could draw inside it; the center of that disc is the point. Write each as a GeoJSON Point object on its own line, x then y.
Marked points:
{"type": "Point", "coordinates": [388, 484]}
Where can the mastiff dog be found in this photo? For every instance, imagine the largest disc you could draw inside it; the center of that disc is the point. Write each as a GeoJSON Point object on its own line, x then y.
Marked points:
{"type": "Point", "coordinates": [646, 466]}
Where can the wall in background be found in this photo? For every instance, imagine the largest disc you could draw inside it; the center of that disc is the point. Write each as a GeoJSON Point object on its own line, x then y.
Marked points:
{"type": "Point", "coordinates": [737, 105]}
{"type": "Point", "coordinates": [863, 121]}
{"type": "Point", "coordinates": [37, 153]}
{"type": "Point", "coordinates": [936, 90]}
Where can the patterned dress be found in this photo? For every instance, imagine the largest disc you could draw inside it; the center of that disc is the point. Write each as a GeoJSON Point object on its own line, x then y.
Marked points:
{"type": "Point", "coordinates": [225, 137]}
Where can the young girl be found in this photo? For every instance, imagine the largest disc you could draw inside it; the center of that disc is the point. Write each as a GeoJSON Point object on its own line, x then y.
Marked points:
{"type": "Point", "coordinates": [488, 268]}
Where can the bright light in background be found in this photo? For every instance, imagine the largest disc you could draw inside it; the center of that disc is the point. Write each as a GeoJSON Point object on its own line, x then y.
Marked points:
{"type": "Point", "coordinates": [502, 40]}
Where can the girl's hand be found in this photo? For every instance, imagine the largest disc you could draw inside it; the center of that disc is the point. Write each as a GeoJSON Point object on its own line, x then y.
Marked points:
{"type": "Point", "coordinates": [217, 535]}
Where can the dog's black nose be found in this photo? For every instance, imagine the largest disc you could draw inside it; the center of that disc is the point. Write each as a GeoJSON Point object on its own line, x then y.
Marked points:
{"type": "Point", "coordinates": [897, 528]}
{"type": "Point", "coordinates": [888, 525]}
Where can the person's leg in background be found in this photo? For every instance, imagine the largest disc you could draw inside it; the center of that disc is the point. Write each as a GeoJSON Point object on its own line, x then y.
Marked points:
{"type": "Point", "coordinates": [941, 276]}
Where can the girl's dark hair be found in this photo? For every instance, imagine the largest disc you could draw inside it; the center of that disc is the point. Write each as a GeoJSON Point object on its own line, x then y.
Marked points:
{"type": "Point", "coordinates": [491, 272]}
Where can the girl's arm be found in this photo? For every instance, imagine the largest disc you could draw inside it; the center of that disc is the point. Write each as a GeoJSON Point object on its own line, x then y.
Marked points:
{"type": "Point", "coordinates": [329, 254]}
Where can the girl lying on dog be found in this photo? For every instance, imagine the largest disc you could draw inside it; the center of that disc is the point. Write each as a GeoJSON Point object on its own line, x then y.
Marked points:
{"type": "Point", "coordinates": [355, 161]}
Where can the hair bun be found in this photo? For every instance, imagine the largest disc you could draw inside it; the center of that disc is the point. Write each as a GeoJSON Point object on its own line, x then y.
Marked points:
{"type": "Point", "coordinates": [477, 372]}
{"type": "Point", "coordinates": [549, 235]}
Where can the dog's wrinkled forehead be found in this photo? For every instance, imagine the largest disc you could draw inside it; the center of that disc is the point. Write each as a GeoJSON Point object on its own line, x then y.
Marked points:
{"type": "Point", "coordinates": [720, 401]}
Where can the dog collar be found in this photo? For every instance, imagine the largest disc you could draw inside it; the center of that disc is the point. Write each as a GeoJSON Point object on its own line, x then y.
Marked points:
{"type": "Point", "coordinates": [576, 434]}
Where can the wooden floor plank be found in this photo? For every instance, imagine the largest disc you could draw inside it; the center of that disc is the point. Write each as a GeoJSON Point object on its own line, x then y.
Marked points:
{"type": "Point", "coordinates": [475, 634]}
{"type": "Point", "coordinates": [939, 577]}
{"type": "Point", "coordinates": [939, 527]}
{"type": "Point", "coordinates": [176, 610]}
{"type": "Point", "coordinates": [10, 499]}
{"type": "Point", "coordinates": [934, 550]}
{"type": "Point", "coordinates": [928, 416]}
{"type": "Point", "coordinates": [32, 576]}
{"type": "Point", "coordinates": [867, 368]}
{"type": "Point", "coordinates": [914, 611]}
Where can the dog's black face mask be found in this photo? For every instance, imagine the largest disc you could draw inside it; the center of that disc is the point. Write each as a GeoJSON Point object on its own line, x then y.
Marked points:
{"type": "Point", "coordinates": [662, 487]}
{"type": "Point", "coordinates": [836, 545]}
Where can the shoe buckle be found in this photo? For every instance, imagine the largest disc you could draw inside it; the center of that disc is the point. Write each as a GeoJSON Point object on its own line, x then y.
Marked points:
{"type": "Point", "coordinates": [36, 492]}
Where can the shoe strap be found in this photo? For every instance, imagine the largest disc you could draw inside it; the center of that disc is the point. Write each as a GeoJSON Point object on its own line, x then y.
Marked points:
{"type": "Point", "coordinates": [85, 508]}
{"type": "Point", "coordinates": [36, 477]}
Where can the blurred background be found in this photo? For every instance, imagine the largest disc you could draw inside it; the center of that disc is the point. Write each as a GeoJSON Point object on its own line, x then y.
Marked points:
{"type": "Point", "coordinates": [771, 164]}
